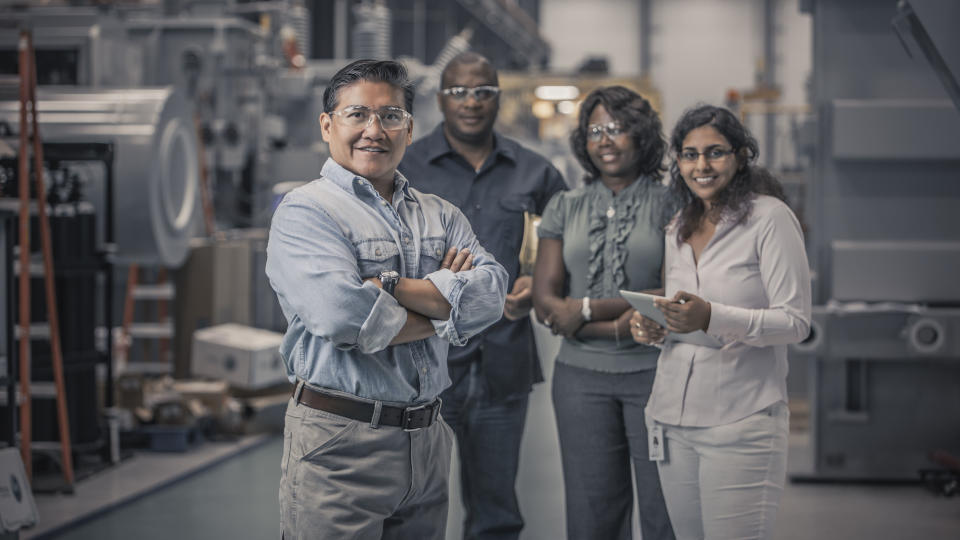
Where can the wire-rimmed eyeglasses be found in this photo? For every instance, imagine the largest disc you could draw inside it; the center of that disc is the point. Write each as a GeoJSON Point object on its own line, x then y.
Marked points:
{"type": "Point", "coordinates": [479, 93]}
{"type": "Point", "coordinates": [358, 116]}
{"type": "Point", "coordinates": [714, 153]}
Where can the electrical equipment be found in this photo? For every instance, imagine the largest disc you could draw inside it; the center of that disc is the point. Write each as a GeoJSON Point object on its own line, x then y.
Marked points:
{"type": "Point", "coordinates": [156, 167]}
{"type": "Point", "coordinates": [885, 244]}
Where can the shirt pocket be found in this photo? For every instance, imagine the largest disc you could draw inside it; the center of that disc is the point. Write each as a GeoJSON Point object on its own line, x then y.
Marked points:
{"type": "Point", "coordinates": [375, 256]}
{"type": "Point", "coordinates": [432, 250]}
{"type": "Point", "coordinates": [512, 208]}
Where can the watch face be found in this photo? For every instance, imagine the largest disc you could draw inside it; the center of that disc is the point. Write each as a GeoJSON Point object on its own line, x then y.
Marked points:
{"type": "Point", "coordinates": [389, 279]}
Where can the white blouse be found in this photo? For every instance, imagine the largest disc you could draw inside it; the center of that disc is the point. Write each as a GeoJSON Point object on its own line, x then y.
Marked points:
{"type": "Point", "coordinates": [756, 277]}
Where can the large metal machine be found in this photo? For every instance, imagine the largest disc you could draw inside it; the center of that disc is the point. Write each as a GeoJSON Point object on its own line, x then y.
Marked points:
{"type": "Point", "coordinates": [884, 212]}
{"type": "Point", "coordinates": [156, 162]}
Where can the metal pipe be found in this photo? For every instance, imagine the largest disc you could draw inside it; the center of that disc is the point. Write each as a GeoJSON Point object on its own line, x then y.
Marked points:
{"type": "Point", "coordinates": [769, 63]}
{"type": "Point", "coordinates": [646, 26]}
{"type": "Point", "coordinates": [24, 277]}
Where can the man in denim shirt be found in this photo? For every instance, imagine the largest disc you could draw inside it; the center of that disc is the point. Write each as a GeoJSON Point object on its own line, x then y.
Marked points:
{"type": "Point", "coordinates": [493, 180]}
{"type": "Point", "coordinates": [376, 280]}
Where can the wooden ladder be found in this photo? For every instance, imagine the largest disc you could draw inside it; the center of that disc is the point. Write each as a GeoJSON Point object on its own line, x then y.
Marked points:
{"type": "Point", "coordinates": [28, 102]}
{"type": "Point", "coordinates": [161, 329]}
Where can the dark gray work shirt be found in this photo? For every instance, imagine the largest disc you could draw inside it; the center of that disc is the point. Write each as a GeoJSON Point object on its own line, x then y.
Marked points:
{"type": "Point", "coordinates": [511, 181]}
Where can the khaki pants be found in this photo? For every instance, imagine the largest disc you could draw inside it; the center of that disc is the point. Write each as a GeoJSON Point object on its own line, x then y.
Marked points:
{"type": "Point", "coordinates": [341, 478]}
{"type": "Point", "coordinates": [726, 481]}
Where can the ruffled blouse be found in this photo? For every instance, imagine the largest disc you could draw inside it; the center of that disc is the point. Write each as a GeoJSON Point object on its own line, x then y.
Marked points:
{"type": "Point", "coordinates": [610, 242]}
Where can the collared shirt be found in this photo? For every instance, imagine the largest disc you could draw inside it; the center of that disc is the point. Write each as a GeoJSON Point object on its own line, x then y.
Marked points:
{"type": "Point", "coordinates": [756, 277]}
{"type": "Point", "coordinates": [511, 180]}
{"type": "Point", "coordinates": [608, 235]}
{"type": "Point", "coordinates": [326, 238]}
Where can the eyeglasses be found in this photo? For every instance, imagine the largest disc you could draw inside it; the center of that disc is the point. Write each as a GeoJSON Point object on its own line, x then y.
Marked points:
{"type": "Point", "coordinates": [360, 117]}
{"type": "Point", "coordinates": [480, 93]}
{"type": "Point", "coordinates": [595, 131]}
{"type": "Point", "coordinates": [714, 153]}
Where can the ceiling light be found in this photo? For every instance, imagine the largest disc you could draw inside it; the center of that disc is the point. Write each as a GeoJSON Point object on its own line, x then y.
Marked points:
{"type": "Point", "coordinates": [557, 93]}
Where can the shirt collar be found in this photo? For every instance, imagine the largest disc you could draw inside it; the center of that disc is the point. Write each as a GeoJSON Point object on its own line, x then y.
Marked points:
{"type": "Point", "coordinates": [349, 181]}
{"type": "Point", "coordinates": [438, 146]}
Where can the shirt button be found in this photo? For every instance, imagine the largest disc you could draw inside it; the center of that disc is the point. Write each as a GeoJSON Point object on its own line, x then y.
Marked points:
{"type": "Point", "coordinates": [437, 251]}
{"type": "Point", "coordinates": [406, 239]}
{"type": "Point", "coordinates": [377, 252]}
{"type": "Point", "coordinates": [611, 212]}
{"type": "Point", "coordinates": [424, 370]}
{"type": "Point", "coordinates": [476, 207]}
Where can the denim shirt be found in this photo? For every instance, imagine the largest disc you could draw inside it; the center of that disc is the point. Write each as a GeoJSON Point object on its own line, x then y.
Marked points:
{"type": "Point", "coordinates": [512, 180]}
{"type": "Point", "coordinates": [326, 238]}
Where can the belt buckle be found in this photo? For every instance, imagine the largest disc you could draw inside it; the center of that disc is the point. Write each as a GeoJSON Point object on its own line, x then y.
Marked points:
{"type": "Point", "coordinates": [407, 417]}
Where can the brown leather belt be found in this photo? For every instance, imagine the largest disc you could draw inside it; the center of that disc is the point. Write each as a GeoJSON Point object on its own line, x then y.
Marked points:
{"type": "Point", "coordinates": [409, 418]}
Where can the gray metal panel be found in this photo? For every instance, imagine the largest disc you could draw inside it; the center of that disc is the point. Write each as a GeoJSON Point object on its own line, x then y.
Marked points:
{"type": "Point", "coordinates": [899, 271]}
{"type": "Point", "coordinates": [906, 413]}
{"type": "Point", "coordinates": [895, 129]}
{"type": "Point", "coordinates": [940, 21]}
{"type": "Point", "coordinates": [4, 238]}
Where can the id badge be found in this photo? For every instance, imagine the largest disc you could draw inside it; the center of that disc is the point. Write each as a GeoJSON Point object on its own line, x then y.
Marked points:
{"type": "Point", "coordinates": [656, 443]}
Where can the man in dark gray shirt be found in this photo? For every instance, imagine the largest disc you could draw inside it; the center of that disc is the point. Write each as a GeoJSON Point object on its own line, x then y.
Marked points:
{"type": "Point", "coordinates": [493, 180]}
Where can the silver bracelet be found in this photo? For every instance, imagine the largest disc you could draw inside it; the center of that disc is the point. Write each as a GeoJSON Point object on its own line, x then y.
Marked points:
{"type": "Point", "coordinates": [585, 310]}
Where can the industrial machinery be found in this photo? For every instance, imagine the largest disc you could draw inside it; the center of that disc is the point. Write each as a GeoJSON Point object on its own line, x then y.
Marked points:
{"type": "Point", "coordinates": [884, 243]}
{"type": "Point", "coordinates": [156, 163]}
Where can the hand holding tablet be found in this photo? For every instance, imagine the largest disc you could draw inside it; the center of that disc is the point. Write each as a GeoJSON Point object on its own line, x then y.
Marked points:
{"type": "Point", "coordinates": [646, 306]}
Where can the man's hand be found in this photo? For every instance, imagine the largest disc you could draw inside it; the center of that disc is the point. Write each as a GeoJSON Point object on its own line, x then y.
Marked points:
{"type": "Point", "coordinates": [457, 260]}
{"type": "Point", "coordinates": [566, 318]}
{"type": "Point", "coordinates": [520, 299]}
{"type": "Point", "coordinates": [645, 330]}
{"type": "Point", "coordinates": [685, 312]}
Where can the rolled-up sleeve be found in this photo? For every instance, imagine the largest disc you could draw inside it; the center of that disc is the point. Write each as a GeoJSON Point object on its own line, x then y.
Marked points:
{"type": "Point", "coordinates": [476, 296]}
{"type": "Point", "coordinates": [785, 274]}
{"type": "Point", "coordinates": [312, 266]}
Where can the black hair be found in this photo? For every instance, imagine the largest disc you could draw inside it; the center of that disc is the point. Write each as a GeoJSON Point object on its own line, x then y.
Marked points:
{"type": "Point", "coordinates": [636, 115]}
{"type": "Point", "coordinates": [736, 199]}
{"type": "Point", "coordinates": [388, 71]}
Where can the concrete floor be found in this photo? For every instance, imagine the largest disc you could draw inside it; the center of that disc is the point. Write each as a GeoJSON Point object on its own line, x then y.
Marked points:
{"type": "Point", "coordinates": [236, 497]}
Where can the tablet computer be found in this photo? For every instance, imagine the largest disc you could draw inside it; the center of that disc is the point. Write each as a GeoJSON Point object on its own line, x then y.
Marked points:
{"type": "Point", "coordinates": [643, 303]}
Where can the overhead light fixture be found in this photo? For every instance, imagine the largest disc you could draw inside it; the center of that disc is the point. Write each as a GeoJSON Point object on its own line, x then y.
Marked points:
{"type": "Point", "coordinates": [543, 109]}
{"type": "Point", "coordinates": [557, 93]}
{"type": "Point", "coordinates": [566, 107]}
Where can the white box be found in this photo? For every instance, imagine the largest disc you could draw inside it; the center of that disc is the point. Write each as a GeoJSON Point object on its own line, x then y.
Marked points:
{"type": "Point", "coordinates": [245, 357]}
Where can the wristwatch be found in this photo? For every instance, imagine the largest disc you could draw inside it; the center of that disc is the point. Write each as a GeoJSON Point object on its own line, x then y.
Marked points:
{"type": "Point", "coordinates": [389, 279]}
{"type": "Point", "coordinates": [585, 309]}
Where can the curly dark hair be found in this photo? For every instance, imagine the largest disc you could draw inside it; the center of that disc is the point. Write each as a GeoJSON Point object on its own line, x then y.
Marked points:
{"type": "Point", "coordinates": [632, 111]}
{"type": "Point", "coordinates": [736, 199]}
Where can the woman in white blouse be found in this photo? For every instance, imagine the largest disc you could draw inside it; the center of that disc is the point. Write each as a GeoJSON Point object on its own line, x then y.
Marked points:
{"type": "Point", "coordinates": [735, 267]}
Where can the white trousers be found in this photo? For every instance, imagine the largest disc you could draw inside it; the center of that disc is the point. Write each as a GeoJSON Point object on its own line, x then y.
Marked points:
{"type": "Point", "coordinates": [725, 482]}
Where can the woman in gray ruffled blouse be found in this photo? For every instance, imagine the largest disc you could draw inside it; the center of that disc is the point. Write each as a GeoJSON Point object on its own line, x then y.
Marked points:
{"type": "Point", "coordinates": [594, 241]}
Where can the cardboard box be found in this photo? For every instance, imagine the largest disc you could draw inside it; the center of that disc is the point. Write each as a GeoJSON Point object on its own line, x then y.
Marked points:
{"type": "Point", "coordinates": [243, 356]}
{"type": "Point", "coordinates": [212, 394]}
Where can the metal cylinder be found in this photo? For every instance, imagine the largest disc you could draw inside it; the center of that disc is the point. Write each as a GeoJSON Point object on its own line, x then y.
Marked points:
{"type": "Point", "coordinates": [927, 336]}
{"type": "Point", "coordinates": [371, 32]}
{"type": "Point", "coordinates": [155, 168]}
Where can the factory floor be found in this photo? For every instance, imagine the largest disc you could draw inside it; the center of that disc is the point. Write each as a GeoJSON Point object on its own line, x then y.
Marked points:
{"type": "Point", "coordinates": [236, 497]}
